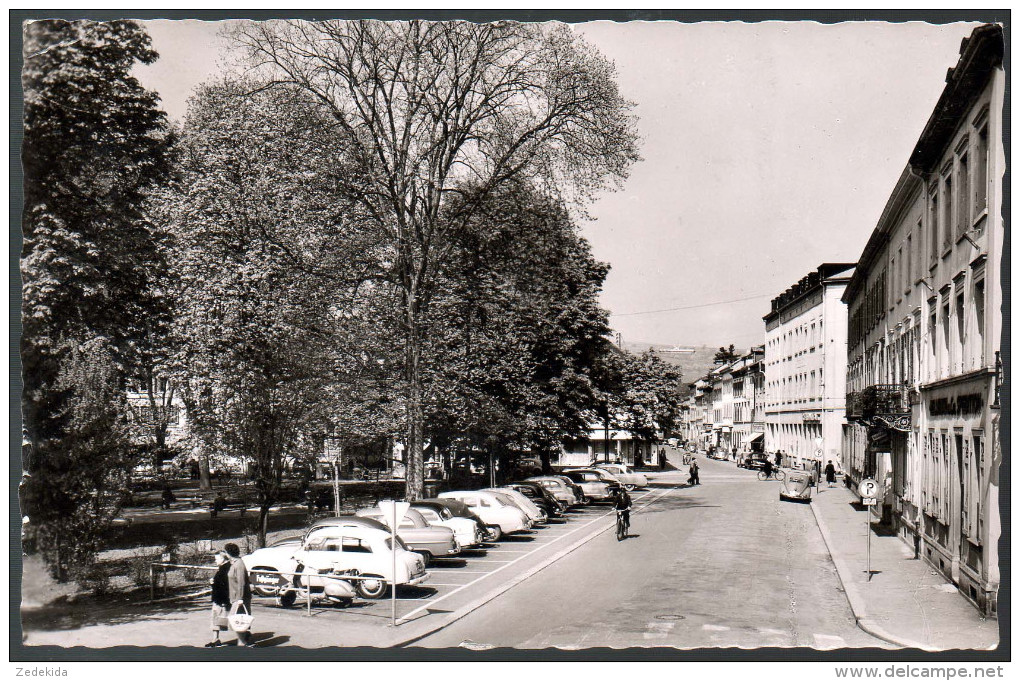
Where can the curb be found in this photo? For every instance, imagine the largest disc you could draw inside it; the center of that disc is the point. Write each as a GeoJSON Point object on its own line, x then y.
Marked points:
{"type": "Point", "coordinates": [854, 598]}
{"type": "Point", "coordinates": [503, 588]}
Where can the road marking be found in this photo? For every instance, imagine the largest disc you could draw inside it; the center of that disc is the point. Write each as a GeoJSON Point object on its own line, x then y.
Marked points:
{"type": "Point", "coordinates": [507, 551]}
{"type": "Point", "coordinates": [714, 627]}
{"type": "Point", "coordinates": [507, 564]}
{"type": "Point", "coordinates": [463, 572]}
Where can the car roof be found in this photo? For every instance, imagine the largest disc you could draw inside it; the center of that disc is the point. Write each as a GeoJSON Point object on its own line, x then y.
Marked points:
{"type": "Point", "coordinates": [373, 511]}
{"type": "Point", "coordinates": [348, 520]}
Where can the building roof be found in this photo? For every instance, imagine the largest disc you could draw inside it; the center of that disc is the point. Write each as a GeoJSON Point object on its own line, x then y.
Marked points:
{"type": "Point", "coordinates": [827, 272]}
{"type": "Point", "coordinates": [980, 54]}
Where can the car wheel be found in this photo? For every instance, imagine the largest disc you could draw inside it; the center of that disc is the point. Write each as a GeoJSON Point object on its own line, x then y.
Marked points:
{"type": "Point", "coordinates": [630, 488]}
{"type": "Point", "coordinates": [427, 557]}
{"type": "Point", "coordinates": [493, 532]}
{"type": "Point", "coordinates": [287, 599]}
{"type": "Point", "coordinates": [264, 590]}
{"type": "Point", "coordinates": [372, 589]}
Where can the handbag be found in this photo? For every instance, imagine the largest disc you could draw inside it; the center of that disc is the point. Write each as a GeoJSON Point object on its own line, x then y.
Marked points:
{"type": "Point", "coordinates": [240, 621]}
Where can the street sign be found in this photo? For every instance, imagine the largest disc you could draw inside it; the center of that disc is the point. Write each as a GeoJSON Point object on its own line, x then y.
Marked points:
{"type": "Point", "coordinates": [868, 488]}
{"type": "Point", "coordinates": [869, 501]}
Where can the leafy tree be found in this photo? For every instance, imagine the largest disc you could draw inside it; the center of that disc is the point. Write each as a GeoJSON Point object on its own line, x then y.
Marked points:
{"type": "Point", "coordinates": [516, 329]}
{"type": "Point", "coordinates": [95, 145]}
{"type": "Point", "coordinates": [726, 355]}
{"type": "Point", "coordinates": [436, 116]}
{"type": "Point", "coordinates": [255, 335]}
{"type": "Point", "coordinates": [652, 396]}
{"type": "Point", "coordinates": [76, 489]}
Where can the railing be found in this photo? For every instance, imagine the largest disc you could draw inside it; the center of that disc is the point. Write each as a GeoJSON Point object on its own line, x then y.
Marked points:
{"type": "Point", "coordinates": [887, 402]}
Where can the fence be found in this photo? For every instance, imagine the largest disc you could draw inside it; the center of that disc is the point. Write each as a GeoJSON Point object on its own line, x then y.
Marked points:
{"type": "Point", "coordinates": [305, 590]}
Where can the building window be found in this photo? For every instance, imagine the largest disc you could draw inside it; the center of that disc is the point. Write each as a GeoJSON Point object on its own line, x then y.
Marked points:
{"type": "Point", "coordinates": [963, 219]}
{"type": "Point", "coordinates": [981, 171]}
{"type": "Point", "coordinates": [933, 224]}
{"type": "Point", "coordinates": [979, 321]}
{"type": "Point", "coordinates": [947, 207]}
{"type": "Point", "coordinates": [961, 331]}
{"type": "Point", "coordinates": [933, 355]}
{"type": "Point", "coordinates": [945, 359]}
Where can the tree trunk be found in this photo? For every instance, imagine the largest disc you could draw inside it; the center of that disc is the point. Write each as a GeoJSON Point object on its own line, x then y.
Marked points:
{"type": "Point", "coordinates": [414, 461]}
{"type": "Point", "coordinates": [263, 525]}
{"type": "Point", "coordinates": [204, 479]}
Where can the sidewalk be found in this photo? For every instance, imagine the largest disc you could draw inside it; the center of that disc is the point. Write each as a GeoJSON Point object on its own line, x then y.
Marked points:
{"type": "Point", "coordinates": [906, 602]}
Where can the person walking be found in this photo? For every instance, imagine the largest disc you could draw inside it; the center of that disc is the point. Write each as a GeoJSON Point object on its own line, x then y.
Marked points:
{"type": "Point", "coordinates": [694, 479]}
{"type": "Point", "coordinates": [830, 473]}
{"type": "Point", "coordinates": [779, 458]}
{"type": "Point", "coordinates": [239, 591]}
{"type": "Point", "coordinates": [220, 597]}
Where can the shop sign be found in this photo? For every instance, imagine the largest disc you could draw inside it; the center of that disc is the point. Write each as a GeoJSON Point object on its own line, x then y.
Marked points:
{"type": "Point", "coordinates": [956, 405]}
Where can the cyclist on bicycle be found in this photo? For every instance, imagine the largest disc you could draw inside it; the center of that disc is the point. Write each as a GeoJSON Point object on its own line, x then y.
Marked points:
{"type": "Point", "coordinates": [623, 505]}
{"type": "Point", "coordinates": [767, 468]}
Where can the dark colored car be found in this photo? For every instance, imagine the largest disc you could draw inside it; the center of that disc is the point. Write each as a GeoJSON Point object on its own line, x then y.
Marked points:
{"type": "Point", "coordinates": [756, 461]}
{"type": "Point", "coordinates": [540, 496]}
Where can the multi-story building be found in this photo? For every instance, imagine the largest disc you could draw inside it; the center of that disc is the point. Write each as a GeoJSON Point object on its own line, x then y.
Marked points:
{"type": "Point", "coordinates": [805, 367]}
{"type": "Point", "coordinates": [722, 407]}
{"type": "Point", "coordinates": [748, 401]}
{"type": "Point", "coordinates": [925, 322]}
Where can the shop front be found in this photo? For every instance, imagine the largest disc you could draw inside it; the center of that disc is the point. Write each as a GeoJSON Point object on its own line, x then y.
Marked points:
{"type": "Point", "coordinates": [958, 441]}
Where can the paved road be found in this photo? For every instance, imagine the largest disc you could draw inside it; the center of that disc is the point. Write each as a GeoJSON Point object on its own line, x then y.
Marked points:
{"type": "Point", "coordinates": [723, 564]}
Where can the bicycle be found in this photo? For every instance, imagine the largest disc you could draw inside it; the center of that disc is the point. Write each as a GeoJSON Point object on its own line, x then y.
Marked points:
{"type": "Point", "coordinates": [777, 474]}
{"type": "Point", "coordinates": [622, 526]}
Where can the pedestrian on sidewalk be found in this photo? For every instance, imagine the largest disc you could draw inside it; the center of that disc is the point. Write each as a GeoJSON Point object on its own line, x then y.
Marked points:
{"type": "Point", "coordinates": [830, 473]}
{"type": "Point", "coordinates": [694, 479]}
{"type": "Point", "coordinates": [240, 591]}
{"type": "Point", "coordinates": [779, 458]}
{"type": "Point", "coordinates": [220, 597]}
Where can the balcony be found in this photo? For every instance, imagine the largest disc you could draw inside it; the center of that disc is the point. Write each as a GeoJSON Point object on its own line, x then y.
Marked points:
{"type": "Point", "coordinates": [881, 405]}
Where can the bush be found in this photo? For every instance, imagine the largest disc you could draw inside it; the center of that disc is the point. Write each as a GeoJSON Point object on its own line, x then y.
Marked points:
{"type": "Point", "coordinates": [193, 554]}
{"type": "Point", "coordinates": [138, 567]}
{"type": "Point", "coordinates": [96, 579]}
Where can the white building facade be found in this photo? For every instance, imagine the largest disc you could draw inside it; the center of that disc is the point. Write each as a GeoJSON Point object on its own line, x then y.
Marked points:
{"type": "Point", "coordinates": [805, 368]}
{"type": "Point", "coordinates": [925, 325]}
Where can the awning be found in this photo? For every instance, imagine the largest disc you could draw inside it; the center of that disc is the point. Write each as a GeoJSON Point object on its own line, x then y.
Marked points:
{"type": "Point", "coordinates": [756, 436]}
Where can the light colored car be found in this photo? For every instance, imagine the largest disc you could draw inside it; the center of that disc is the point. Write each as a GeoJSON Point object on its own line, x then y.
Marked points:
{"type": "Point", "coordinates": [592, 483]}
{"type": "Point", "coordinates": [465, 530]}
{"type": "Point", "coordinates": [339, 544]}
{"type": "Point", "coordinates": [628, 476]}
{"type": "Point", "coordinates": [558, 488]}
{"type": "Point", "coordinates": [537, 515]}
{"type": "Point", "coordinates": [493, 510]}
{"type": "Point", "coordinates": [417, 534]}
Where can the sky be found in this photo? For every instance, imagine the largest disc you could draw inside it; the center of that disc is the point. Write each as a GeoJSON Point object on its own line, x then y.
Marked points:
{"type": "Point", "coordinates": [768, 148]}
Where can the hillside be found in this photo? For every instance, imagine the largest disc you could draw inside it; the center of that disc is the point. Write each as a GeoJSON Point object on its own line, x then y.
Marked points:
{"type": "Point", "coordinates": [693, 364]}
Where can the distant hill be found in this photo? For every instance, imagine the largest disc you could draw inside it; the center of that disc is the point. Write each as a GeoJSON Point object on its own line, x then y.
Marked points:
{"type": "Point", "coordinates": [694, 364]}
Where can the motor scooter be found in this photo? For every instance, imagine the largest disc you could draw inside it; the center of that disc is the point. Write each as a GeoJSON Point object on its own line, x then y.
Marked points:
{"type": "Point", "coordinates": [333, 589]}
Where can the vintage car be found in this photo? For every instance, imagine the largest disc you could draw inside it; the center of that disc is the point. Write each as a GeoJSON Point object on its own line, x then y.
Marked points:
{"type": "Point", "coordinates": [627, 476]}
{"type": "Point", "coordinates": [461, 510]}
{"type": "Point", "coordinates": [467, 531]}
{"type": "Point", "coordinates": [537, 515]}
{"type": "Point", "coordinates": [593, 484]}
{"type": "Point", "coordinates": [753, 461]}
{"type": "Point", "coordinates": [796, 486]}
{"type": "Point", "coordinates": [417, 534]}
{"type": "Point", "coordinates": [337, 545]}
{"type": "Point", "coordinates": [493, 510]}
{"type": "Point", "coordinates": [615, 486]}
{"type": "Point", "coordinates": [561, 487]}
{"type": "Point", "coordinates": [540, 497]}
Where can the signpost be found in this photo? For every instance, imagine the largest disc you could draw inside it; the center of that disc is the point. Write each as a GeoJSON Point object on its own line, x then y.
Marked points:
{"type": "Point", "coordinates": [868, 489]}
{"type": "Point", "coordinates": [395, 510]}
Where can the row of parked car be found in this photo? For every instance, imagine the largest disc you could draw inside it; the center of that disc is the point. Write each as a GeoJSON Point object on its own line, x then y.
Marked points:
{"type": "Point", "coordinates": [352, 555]}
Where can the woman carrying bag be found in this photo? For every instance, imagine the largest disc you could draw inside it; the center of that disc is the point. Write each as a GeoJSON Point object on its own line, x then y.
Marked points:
{"type": "Point", "coordinates": [220, 597]}
{"type": "Point", "coordinates": [240, 598]}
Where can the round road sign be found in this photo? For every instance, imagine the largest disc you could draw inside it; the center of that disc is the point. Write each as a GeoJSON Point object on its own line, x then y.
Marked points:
{"type": "Point", "coordinates": [868, 488]}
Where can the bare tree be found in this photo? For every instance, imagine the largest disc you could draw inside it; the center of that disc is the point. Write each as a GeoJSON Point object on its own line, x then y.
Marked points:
{"type": "Point", "coordinates": [437, 115]}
